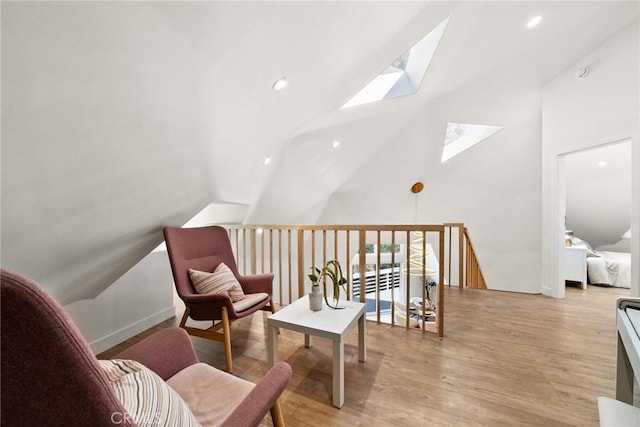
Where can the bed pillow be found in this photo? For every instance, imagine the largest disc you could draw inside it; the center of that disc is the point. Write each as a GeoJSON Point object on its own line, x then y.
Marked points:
{"type": "Point", "coordinates": [147, 398]}
{"type": "Point", "coordinates": [584, 244]}
{"type": "Point", "coordinates": [579, 242]}
{"type": "Point", "coordinates": [221, 280]}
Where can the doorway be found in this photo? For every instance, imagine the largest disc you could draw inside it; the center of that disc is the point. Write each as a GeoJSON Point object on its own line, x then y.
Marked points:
{"type": "Point", "coordinates": [597, 211]}
{"type": "Point", "coordinates": [607, 238]}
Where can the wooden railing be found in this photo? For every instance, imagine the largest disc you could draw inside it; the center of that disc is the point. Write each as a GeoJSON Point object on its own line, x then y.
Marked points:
{"type": "Point", "coordinates": [379, 253]}
{"type": "Point", "coordinates": [469, 269]}
{"type": "Point", "coordinates": [474, 277]}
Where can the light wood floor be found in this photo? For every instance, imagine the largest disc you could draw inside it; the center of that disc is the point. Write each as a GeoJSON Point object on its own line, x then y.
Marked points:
{"type": "Point", "coordinates": [506, 359]}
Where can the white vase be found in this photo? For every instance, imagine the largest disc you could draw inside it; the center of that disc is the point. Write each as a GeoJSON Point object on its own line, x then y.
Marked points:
{"type": "Point", "coordinates": [315, 298]}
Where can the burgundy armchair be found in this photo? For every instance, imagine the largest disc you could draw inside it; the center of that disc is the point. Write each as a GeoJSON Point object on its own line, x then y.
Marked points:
{"type": "Point", "coordinates": [203, 249]}
{"type": "Point", "coordinates": [50, 376]}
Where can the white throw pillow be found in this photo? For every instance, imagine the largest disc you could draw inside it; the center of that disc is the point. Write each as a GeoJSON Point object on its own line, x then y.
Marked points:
{"type": "Point", "coordinates": [147, 398]}
{"type": "Point", "coordinates": [221, 280]}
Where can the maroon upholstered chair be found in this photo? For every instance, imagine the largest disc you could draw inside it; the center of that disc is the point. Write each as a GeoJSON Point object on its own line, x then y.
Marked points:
{"type": "Point", "coordinates": [203, 249]}
{"type": "Point", "coordinates": [50, 377]}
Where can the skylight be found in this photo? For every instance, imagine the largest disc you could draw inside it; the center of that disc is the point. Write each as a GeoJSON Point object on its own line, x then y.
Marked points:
{"type": "Point", "coordinates": [461, 136]}
{"type": "Point", "coordinates": [404, 75]}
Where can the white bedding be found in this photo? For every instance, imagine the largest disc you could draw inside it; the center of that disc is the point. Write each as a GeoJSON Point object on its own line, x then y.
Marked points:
{"type": "Point", "coordinates": [609, 268]}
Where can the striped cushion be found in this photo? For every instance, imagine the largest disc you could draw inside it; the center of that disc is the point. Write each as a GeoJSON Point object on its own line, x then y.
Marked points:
{"type": "Point", "coordinates": [221, 280]}
{"type": "Point", "coordinates": [147, 398]}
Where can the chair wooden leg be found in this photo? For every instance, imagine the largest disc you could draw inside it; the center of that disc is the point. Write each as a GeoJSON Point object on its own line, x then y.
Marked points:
{"type": "Point", "coordinates": [185, 316]}
{"type": "Point", "coordinates": [226, 330]}
{"type": "Point", "coordinates": [276, 414]}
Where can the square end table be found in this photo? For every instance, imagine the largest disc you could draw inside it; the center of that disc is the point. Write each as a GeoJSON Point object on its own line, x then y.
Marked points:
{"type": "Point", "coordinates": [326, 323]}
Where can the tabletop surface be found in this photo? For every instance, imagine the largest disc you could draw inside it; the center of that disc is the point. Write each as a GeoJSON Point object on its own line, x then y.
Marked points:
{"type": "Point", "coordinates": [327, 320]}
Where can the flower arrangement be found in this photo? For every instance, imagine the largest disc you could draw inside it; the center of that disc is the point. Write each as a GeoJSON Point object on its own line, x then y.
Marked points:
{"type": "Point", "coordinates": [332, 271]}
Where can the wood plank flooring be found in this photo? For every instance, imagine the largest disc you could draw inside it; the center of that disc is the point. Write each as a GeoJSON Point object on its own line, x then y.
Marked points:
{"type": "Point", "coordinates": [506, 359]}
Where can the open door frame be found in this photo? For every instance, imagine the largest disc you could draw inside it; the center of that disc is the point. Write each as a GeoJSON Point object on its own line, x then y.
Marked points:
{"type": "Point", "coordinates": [554, 210]}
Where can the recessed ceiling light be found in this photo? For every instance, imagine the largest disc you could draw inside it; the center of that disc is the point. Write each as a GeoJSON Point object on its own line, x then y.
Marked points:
{"type": "Point", "coordinates": [267, 160]}
{"type": "Point", "coordinates": [534, 21]}
{"type": "Point", "coordinates": [280, 83]}
{"type": "Point", "coordinates": [602, 163]}
{"type": "Point", "coordinates": [336, 144]}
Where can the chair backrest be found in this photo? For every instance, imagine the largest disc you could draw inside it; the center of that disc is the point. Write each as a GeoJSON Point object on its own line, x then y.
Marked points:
{"type": "Point", "coordinates": [49, 374]}
{"type": "Point", "coordinates": [200, 248]}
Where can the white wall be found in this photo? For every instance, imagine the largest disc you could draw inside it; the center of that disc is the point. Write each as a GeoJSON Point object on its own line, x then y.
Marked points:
{"type": "Point", "coordinates": [144, 295]}
{"type": "Point", "coordinates": [492, 187]}
{"type": "Point", "coordinates": [582, 113]}
{"type": "Point", "coordinates": [219, 213]}
{"type": "Point", "coordinates": [140, 299]}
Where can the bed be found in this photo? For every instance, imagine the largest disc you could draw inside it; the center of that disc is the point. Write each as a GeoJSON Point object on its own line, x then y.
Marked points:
{"type": "Point", "coordinates": [606, 267]}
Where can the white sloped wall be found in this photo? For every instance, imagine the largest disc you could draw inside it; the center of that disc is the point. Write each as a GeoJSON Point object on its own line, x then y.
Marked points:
{"type": "Point", "coordinates": [102, 144]}
{"type": "Point", "coordinates": [95, 115]}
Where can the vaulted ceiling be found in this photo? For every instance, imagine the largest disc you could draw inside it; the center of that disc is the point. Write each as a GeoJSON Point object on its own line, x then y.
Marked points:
{"type": "Point", "coordinates": [121, 117]}
{"type": "Point", "coordinates": [329, 51]}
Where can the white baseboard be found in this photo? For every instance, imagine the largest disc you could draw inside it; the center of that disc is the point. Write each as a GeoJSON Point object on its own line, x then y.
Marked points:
{"type": "Point", "coordinates": [114, 338]}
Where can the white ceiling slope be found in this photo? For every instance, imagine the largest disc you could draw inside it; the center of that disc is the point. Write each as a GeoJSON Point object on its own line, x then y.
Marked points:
{"type": "Point", "coordinates": [121, 117]}
{"type": "Point", "coordinates": [485, 41]}
{"type": "Point", "coordinates": [102, 143]}
{"type": "Point", "coordinates": [598, 188]}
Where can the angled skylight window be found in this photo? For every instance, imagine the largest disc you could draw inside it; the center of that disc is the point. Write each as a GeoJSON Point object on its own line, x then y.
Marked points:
{"type": "Point", "coordinates": [404, 75]}
{"type": "Point", "coordinates": [461, 136]}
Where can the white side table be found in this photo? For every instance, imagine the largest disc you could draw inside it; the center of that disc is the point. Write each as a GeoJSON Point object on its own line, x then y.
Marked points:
{"type": "Point", "coordinates": [327, 323]}
{"type": "Point", "coordinates": [574, 264]}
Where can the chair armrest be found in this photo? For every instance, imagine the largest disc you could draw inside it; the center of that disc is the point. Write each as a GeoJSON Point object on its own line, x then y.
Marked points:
{"type": "Point", "coordinates": [209, 306]}
{"type": "Point", "coordinates": [257, 283]}
{"type": "Point", "coordinates": [205, 298]}
{"type": "Point", "coordinates": [166, 352]}
{"type": "Point", "coordinates": [259, 401]}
